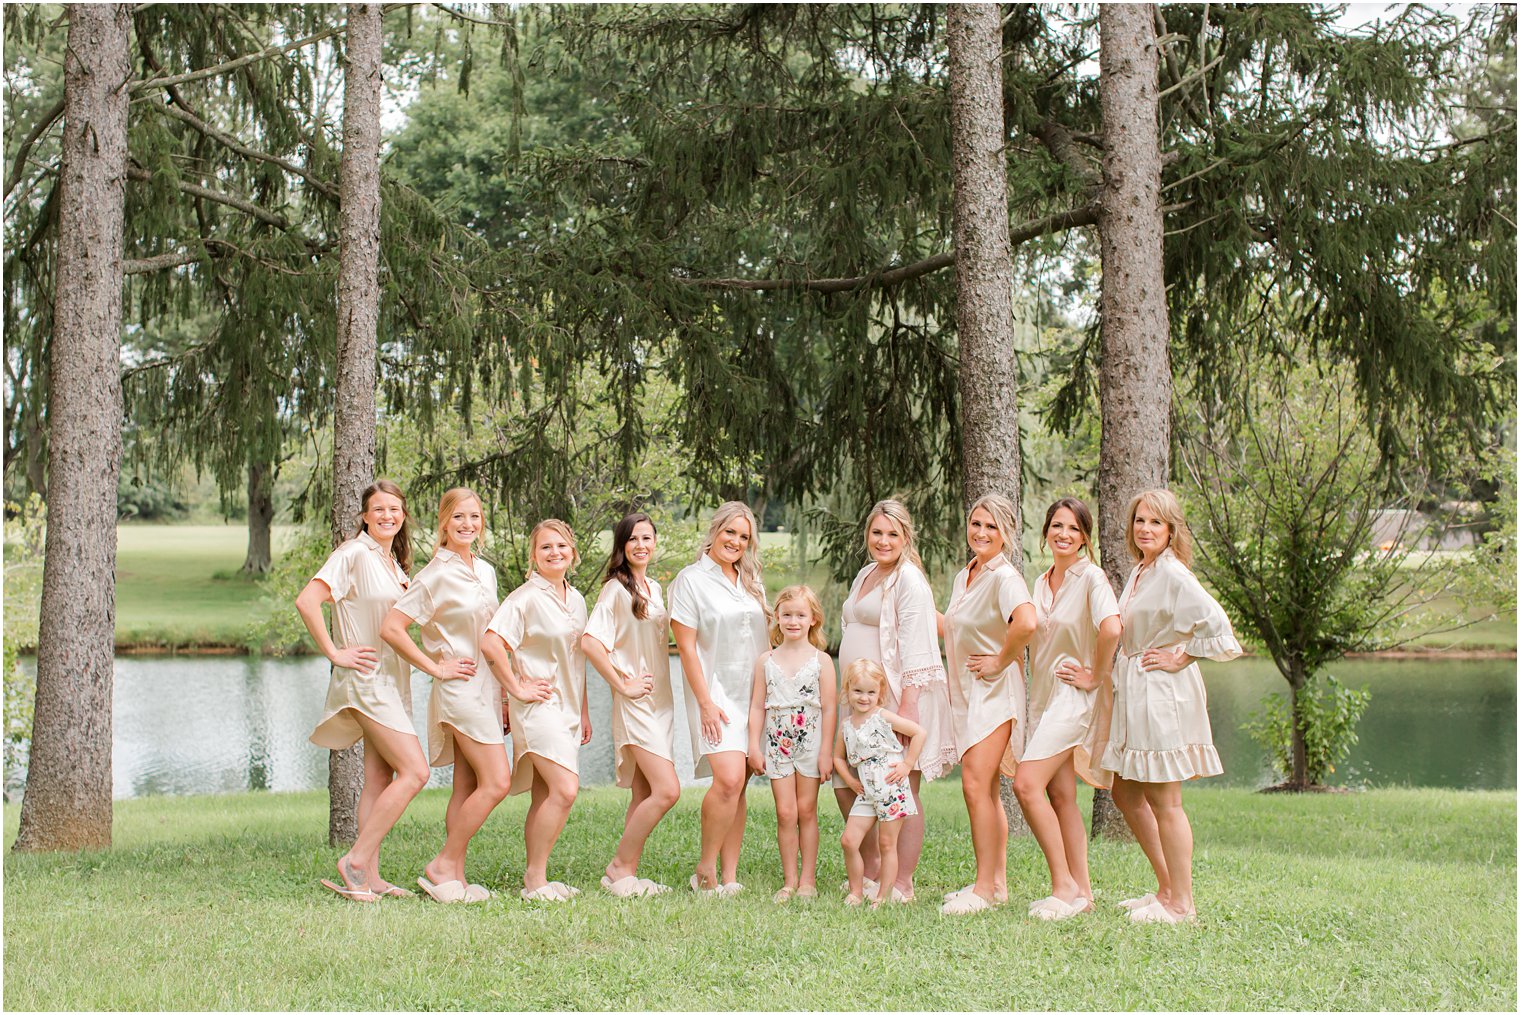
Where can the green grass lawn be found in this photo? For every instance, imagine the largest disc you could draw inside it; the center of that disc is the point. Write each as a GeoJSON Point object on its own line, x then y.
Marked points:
{"type": "Point", "coordinates": [1388, 899]}
{"type": "Point", "coordinates": [177, 585]}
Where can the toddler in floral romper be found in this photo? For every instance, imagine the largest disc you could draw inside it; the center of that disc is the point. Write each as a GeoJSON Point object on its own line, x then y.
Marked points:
{"type": "Point", "coordinates": [868, 740]}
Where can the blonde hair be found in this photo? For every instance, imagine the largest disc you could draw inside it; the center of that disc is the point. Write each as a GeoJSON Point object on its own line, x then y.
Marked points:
{"type": "Point", "coordinates": [749, 563]}
{"type": "Point", "coordinates": [895, 512]}
{"type": "Point", "coordinates": [867, 668]}
{"type": "Point", "coordinates": [808, 596]}
{"type": "Point", "coordinates": [553, 525]}
{"type": "Point", "coordinates": [450, 500]}
{"type": "Point", "coordinates": [1164, 503]}
{"type": "Point", "coordinates": [1001, 510]}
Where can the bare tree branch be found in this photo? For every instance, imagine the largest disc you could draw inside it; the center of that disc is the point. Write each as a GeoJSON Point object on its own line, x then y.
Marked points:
{"type": "Point", "coordinates": [227, 140]}
{"type": "Point", "coordinates": [216, 196]}
{"type": "Point", "coordinates": [38, 129]}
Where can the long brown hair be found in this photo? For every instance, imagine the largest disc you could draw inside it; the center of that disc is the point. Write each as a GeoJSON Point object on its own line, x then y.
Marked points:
{"type": "Point", "coordinates": [1080, 512]}
{"type": "Point", "coordinates": [617, 564]}
{"type": "Point", "coordinates": [401, 544]}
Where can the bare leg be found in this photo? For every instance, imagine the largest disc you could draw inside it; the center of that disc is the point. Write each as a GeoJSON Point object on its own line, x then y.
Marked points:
{"type": "Point", "coordinates": [481, 782]}
{"type": "Point", "coordinates": [1129, 797]}
{"type": "Point", "coordinates": [910, 840]}
{"type": "Point", "coordinates": [989, 825]}
{"type": "Point", "coordinates": [856, 831]}
{"type": "Point", "coordinates": [728, 856]}
{"type": "Point", "coordinates": [661, 790]}
{"type": "Point", "coordinates": [396, 752]}
{"type": "Point", "coordinates": [886, 835]}
{"type": "Point", "coordinates": [785, 792]}
{"type": "Point", "coordinates": [1165, 799]}
{"type": "Point", "coordinates": [554, 789]}
{"type": "Point", "coordinates": [1063, 799]}
{"type": "Point", "coordinates": [1030, 785]}
{"type": "Point", "coordinates": [719, 804]}
{"type": "Point", "coordinates": [807, 830]}
{"type": "Point", "coordinates": [870, 853]}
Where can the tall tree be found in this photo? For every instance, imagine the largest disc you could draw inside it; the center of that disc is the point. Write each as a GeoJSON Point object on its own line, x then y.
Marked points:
{"type": "Point", "coordinates": [358, 331]}
{"type": "Point", "coordinates": [1135, 376]}
{"type": "Point", "coordinates": [989, 381]}
{"type": "Point", "coordinates": [68, 792]}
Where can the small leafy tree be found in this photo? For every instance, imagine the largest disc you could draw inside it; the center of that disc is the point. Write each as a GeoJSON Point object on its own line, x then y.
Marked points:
{"type": "Point", "coordinates": [1289, 497]}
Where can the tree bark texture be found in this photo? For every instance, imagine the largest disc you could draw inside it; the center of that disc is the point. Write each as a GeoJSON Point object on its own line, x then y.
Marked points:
{"type": "Point", "coordinates": [68, 789]}
{"type": "Point", "coordinates": [1135, 378]}
{"type": "Point", "coordinates": [1300, 777]}
{"type": "Point", "coordinates": [989, 406]}
{"type": "Point", "coordinates": [260, 517]}
{"type": "Point", "coordinates": [358, 324]}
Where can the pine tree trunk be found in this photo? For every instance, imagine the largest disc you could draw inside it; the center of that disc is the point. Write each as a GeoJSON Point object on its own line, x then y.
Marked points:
{"type": "Point", "coordinates": [260, 517]}
{"type": "Point", "coordinates": [1135, 379]}
{"type": "Point", "coordinates": [989, 408]}
{"type": "Point", "coordinates": [358, 324]}
{"type": "Point", "coordinates": [68, 789]}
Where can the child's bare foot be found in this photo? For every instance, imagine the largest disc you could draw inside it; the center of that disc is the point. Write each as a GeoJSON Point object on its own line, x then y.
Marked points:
{"type": "Point", "coordinates": [853, 900]}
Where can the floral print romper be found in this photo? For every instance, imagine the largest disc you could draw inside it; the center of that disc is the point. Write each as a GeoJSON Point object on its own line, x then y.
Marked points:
{"type": "Point", "coordinates": [873, 748]}
{"type": "Point", "coordinates": [793, 720]}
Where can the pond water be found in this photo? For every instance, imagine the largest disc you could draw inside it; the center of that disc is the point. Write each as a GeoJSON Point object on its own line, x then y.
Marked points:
{"type": "Point", "coordinates": [204, 724]}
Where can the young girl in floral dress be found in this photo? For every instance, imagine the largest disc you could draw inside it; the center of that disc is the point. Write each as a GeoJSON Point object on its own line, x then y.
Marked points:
{"type": "Point", "coordinates": [867, 740]}
{"type": "Point", "coordinates": [791, 731]}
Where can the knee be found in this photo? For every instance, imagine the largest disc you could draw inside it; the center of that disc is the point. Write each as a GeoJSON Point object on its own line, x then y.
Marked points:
{"type": "Point", "coordinates": [664, 797]}
{"type": "Point", "coordinates": [851, 839]}
{"type": "Point", "coordinates": [495, 788]}
{"type": "Point", "coordinates": [807, 810]}
{"type": "Point", "coordinates": [786, 814]}
{"type": "Point", "coordinates": [727, 787]}
{"type": "Point", "coordinates": [562, 794]}
{"type": "Point", "coordinates": [411, 779]}
{"type": "Point", "coordinates": [1027, 788]}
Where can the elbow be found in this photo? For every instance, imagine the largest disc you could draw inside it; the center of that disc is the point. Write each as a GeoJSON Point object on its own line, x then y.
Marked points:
{"type": "Point", "coordinates": [1111, 628]}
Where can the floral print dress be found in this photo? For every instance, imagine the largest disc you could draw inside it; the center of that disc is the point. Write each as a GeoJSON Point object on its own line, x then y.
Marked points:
{"type": "Point", "coordinates": [873, 748]}
{"type": "Point", "coordinates": [793, 719]}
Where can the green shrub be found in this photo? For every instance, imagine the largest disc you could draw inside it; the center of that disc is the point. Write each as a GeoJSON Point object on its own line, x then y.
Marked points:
{"type": "Point", "coordinates": [1329, 711]}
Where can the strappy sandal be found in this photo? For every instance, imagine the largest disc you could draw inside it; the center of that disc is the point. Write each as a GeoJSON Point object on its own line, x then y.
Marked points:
{"type": "Point", "coordinates": [783, 895]}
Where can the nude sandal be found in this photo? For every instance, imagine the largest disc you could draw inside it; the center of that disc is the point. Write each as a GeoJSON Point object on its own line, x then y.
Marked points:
{"type": "Point", "coordinates": [447, 891]}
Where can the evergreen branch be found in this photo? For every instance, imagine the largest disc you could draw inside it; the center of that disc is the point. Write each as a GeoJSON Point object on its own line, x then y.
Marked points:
{"type": "Point", "coordinates": [1085, 215]}
{"type": "Point", "coordinates": [228, 141]}
{"type": "Point", "coordinates": [216, 196]}
{"type": "Point", "coordinates": [451, 12]}
{"type": "Point", "coordinates": [1191, 77]}
{"type": "Point", "coordinates": [38, 129]}
{"type": "Point", "coordinates": [243, 61]}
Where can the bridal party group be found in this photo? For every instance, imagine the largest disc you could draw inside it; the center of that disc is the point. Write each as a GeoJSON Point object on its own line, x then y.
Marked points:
{"type": "Point", "coordinates": [1044, 686]}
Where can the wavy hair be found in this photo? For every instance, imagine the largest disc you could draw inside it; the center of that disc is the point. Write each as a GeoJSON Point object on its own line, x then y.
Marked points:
{"type": "Point", "coordinates": [1001, 510]}
{"type": "Point", "coordinates": [1165, 504]}
{"type": "Point", "coordinates": [895, 512]}
{"type": "Point", "coordinates": [749, 563]}
{"type": "Point", "coordinates": [617, 564]}
{"type": "Point", "coordinates": [401, 544]}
